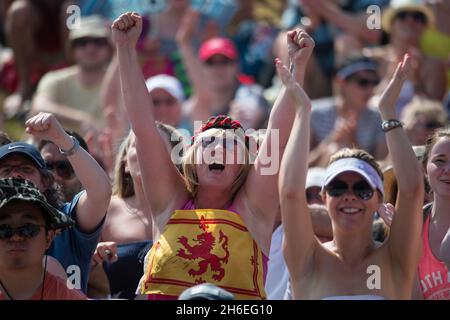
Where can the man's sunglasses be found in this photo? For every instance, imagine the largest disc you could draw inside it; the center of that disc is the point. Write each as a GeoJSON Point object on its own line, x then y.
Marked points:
{"type": "Point", "coordinates": [62, 168]}
{"type": "Point", "coordinates": [82, 42]}
{"type": "Point", "coordinates": [164, 102]}
{"type": "Point", "coordinates": [365, 83]}
{"type": "Point", "coordinates": [361, 189]}
{"type": "Point", "coordinates": [416, 15]}
{"type": "Point", "coordinates": [28, 230]}
{"type": "Point", "coordinates": [222, 62]}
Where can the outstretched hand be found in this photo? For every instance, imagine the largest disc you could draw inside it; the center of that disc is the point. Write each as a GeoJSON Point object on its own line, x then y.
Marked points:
{"type": "Point", "coordinates": [300, 46]}
{"type": "Point", "coordinates": [390, 95]}
{"type": "Point", "coordinates": [126, 29]}
{"type": "Point", "coordinates": [292, 86]}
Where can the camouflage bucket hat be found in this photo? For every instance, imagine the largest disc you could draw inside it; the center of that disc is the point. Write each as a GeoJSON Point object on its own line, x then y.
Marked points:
{"type": "Point", "coordinates": [23, 190]}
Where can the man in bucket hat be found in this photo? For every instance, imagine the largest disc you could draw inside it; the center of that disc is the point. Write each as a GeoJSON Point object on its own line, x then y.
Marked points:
{"type": "Point", "coordinates": [28, 224]}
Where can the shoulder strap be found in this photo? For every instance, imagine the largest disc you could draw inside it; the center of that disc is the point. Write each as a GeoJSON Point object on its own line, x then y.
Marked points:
{"type": "Point", "coordinates": [427, 210]}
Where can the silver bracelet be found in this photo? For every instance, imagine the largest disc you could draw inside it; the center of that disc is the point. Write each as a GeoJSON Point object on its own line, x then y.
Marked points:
{"type": "Point", "coordinates": [71, 151]}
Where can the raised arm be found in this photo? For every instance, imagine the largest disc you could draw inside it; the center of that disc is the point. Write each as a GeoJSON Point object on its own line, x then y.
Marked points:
{"type": "Point", "coordinates": [261, 184]}
{"type": "Point", "coordinates": [93, 204]}
{"type": "Point", "coordinates": [299, 241]}
{"type": "Point", "coordinates": [352, 23]}
{"type": "Point", "coordinates": [44, 102]}
{"type": "Point", "coordinates": [404, 239]}
{"type": "Point", "coordinates": [161, 180]}
{"type": "Point", "coordinates": [193, 66]}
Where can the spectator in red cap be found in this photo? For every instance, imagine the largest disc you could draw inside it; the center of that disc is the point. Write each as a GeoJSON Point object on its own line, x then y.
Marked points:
{"type": "Point", "coordinates": [214, 72]}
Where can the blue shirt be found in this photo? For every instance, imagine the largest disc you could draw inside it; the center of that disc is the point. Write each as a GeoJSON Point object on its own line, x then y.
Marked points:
{"type": "Point", "coordinates": [73, 247]}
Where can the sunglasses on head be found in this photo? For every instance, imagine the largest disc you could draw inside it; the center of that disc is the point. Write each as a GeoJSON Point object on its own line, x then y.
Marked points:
{"type": "Point", "coordinates": [28, 230]}
{"type": "Point", "coordinates": [361, 189]}
{"type": "Point", "coordinates": [416, 15]}
{"type": "Point", "coordinates": [82, 42]}
{"type": "Point", "coordinates": [62, 168]}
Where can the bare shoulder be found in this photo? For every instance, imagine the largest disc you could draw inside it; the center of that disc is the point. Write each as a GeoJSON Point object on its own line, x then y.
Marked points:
{"type": "Point", "coordinates": [116, 205]}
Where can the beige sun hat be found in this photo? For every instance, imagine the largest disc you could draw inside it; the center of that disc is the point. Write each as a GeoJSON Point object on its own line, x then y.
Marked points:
{"type": "Point", "coordinates": [91, 26]}
{"type": "Point", "coordinates": [397, 6]}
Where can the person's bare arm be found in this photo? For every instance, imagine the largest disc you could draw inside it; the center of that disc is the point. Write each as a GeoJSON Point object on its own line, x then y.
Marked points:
{"type": "Point", "coordinates": [381, 151]}
{"type": "Point", "coordinates": [299, 242]}
{"type": "Point", "coordinates": [162, 182]}
{"type": "Point", "coordinates": [193, 66]}
{"type": "Point", "coordinates": [405, 231]}
{"type": "Point", "coordinates": [261, 184]}
{"type": "Point", "coordinates": [70, 116]}
{"type": "Point", "coordinates": [111, 103]}
{"type": "Point", "coordinates": [351, 23]}
{"type": "Point", "coordinates": [93, 204]}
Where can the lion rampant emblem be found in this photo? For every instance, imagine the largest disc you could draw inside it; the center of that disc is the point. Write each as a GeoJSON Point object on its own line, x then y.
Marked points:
{"type": "Point", "coordinates": [203, 251]}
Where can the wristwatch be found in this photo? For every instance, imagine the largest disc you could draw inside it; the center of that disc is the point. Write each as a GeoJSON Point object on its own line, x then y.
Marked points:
{"type": "Point", "coordinates": [72, 150]}
{"type": "Point", "coordinates": [388, 125]}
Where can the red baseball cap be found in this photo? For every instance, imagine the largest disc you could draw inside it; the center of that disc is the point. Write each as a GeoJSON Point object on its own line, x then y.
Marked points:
{"type": "Point", "coordinates": [222, 46]}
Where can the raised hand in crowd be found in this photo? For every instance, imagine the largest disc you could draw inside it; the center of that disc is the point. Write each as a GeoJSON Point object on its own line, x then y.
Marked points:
{"type": "Point", "coordinates": [94, 202]}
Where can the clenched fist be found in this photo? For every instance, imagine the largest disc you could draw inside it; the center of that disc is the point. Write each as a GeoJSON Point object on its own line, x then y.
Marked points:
{"type": "Point", "coordinates": [126, 29]}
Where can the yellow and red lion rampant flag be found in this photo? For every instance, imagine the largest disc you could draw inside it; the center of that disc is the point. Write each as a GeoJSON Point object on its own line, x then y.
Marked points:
{"type": "Point", "coordinates": [204, 245]}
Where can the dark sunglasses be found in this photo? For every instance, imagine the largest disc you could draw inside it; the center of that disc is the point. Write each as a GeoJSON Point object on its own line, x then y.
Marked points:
{"type": "Point", "coordinates": [82, 42]}
{"type": "Point", "coordinates": [163, 102]}
{"type": "Point", "coordinates": [313, 195]}
{"type": "Point", "coordinates": [432, 125]}
{"type": "Point", "coordinates": [229, 143]}
{"type": "Point", "coordinates": [28, 230]}
{"type": "Point", "coordinates": [365, 83]}
{"type": "Point", "coordinates": [416, 15]}
{"type": "Point", "coordinates": [361, 189]}
{"type": "Point", "coordinates": [62, 168]}
{"type": "Point", "coordinates": [216, 62]}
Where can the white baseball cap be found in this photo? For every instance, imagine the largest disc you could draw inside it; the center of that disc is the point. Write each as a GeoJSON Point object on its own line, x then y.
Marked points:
{"type": "Point", "coordinates": [171, 84]}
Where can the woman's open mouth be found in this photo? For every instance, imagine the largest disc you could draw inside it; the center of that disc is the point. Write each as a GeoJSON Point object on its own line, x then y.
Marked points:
{"type": "Point", "coordinates": [350, 211]}
{"type": "Point", "coordinates": [216, 166]}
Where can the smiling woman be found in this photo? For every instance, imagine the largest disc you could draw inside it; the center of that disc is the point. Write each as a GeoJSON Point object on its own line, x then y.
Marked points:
{"type": "Point", "coordinates": [433, 272]}
{"type": "Point", "coordinates": [352, 192]}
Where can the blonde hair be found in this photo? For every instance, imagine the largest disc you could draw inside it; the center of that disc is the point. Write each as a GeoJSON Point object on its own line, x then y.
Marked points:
{"type": "Point", "coordinates": [189, 161]}
{"type": "Point", "coordinates": [432, 110]}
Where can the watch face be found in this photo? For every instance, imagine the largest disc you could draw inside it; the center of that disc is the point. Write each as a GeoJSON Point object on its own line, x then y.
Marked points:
{"type": "Point", "coordinates": [390, 124]}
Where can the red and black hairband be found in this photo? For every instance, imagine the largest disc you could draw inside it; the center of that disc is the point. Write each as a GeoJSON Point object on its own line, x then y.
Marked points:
{"type": "Point", "coordinates": [220, 122]}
